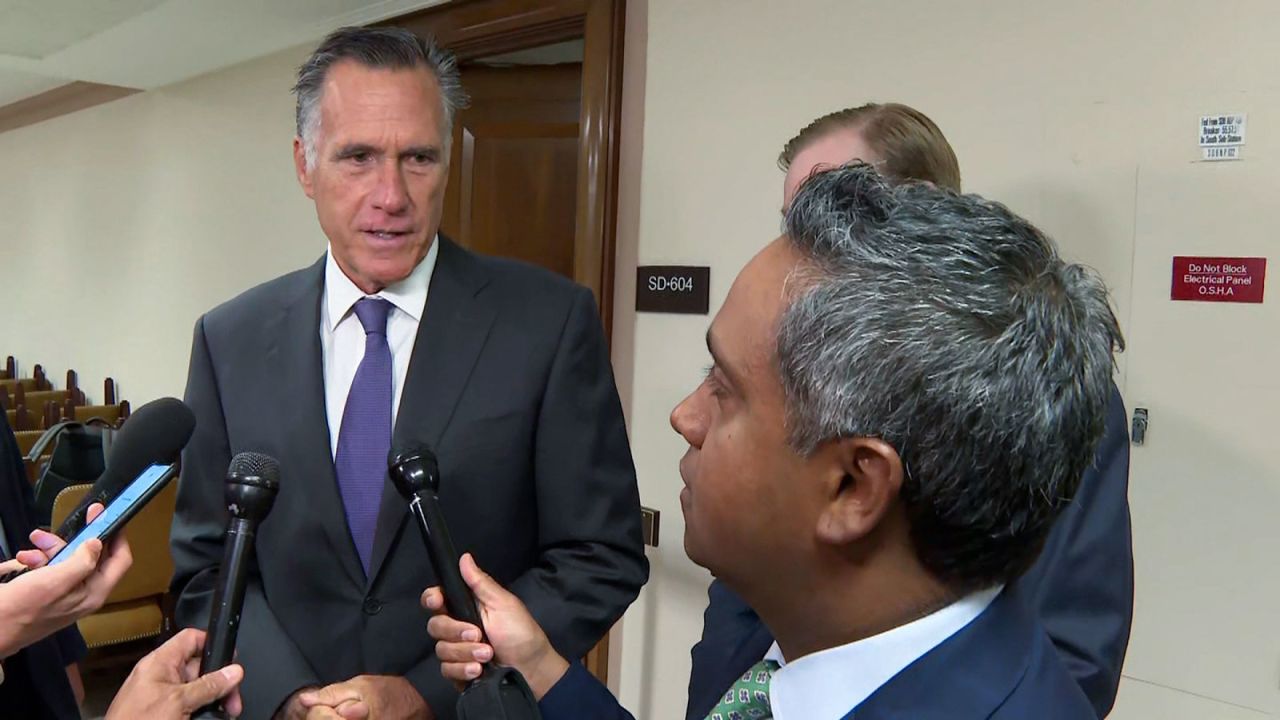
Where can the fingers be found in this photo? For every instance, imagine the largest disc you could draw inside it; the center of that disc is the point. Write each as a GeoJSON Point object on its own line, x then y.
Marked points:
{"type": "Point", "coordinates": [330, 696]}
{"type": "Point", "coordinates": [461, 673]}
{"type": "Point", "coordinates": [486, 589]}
{"type": "Point", "coordinates": [14, 565]}
{"type": "Point", "coordinates": [446, 629]}
{"type": "Point", "coordinates": [209, 687]}
{"type": "Point", "coordinates": [95, 509]}
{"type": "Point", "coordinates": [115, 562]}
{"type": "Point", "coordinates": [463, 652]}
{"type": "Point", "coordinates": [47, 543]}
{"type": "Point", "coordinates": [234, 705]}
{"type": "Point", "coordinates": [433, 599]}
{"type": "Point", "coordinates": [354, 710]}
{"type": "Point", "coordinates": [180, 648]}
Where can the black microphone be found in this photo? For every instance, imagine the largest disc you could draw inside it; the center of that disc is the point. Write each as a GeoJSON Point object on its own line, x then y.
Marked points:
{"type": "Point", "coordinates": [500, 693]}
{"type": "Point", "coordinates": [416, 475]}
{"type": "Point", "coordinates": [154, 435]}
{"type": "Point", "coordinates": [252, 482]}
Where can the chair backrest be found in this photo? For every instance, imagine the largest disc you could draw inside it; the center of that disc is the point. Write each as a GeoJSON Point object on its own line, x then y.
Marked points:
{"type": "Point", "coordinates": [38, 398]}
{"type": "Point", "coordinates": [112, 414]}
{"type": "Point", "coordinates": [11, 385]}
{"type": "Point", "coordinates": [27, 440]}
{"type": "Point", "coordinates": [148, 535]}
{"type": "Point", "coordinates": [20, 419]}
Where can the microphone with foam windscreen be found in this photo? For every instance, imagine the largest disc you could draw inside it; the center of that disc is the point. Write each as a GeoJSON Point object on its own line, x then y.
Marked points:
{"type": "Point", "coordinates": [252, 482]}
{"type": "Point", "coordinates": [154, 435]}
{"type": "Point", "coordinates": [500, 693]}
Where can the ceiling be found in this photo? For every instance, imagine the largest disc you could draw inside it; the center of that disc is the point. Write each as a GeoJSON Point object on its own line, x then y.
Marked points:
{"type": "Point", "coordinates": [146, 44]}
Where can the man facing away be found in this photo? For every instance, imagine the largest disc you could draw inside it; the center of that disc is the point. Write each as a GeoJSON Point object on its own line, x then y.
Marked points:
{"type": "Point", "coordinates": [907, 387]}
{"type": "Point", "coordinates": [1081, 586]}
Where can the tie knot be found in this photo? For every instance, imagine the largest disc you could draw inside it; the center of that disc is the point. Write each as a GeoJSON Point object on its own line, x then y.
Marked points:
{"type": "Point", "coordinates": [373, 314]}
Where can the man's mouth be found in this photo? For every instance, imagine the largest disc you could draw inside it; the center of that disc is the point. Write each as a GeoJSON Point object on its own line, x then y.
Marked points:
{"type": "Point", "coordinates": [385, 234]}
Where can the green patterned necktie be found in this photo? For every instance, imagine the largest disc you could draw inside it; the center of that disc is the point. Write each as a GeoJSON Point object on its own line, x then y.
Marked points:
{"type": "Point", "coordinates": [748, 699]}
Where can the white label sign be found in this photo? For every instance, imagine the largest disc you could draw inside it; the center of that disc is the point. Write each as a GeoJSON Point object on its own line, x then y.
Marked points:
{"type": "Point", "coordinates": [1228, 152]}
{"type": "Point", "coordinates": [1219, 130]}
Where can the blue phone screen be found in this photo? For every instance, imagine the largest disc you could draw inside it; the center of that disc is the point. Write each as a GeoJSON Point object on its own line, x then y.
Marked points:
{"type": "Point", "coordinates": [136, 489]}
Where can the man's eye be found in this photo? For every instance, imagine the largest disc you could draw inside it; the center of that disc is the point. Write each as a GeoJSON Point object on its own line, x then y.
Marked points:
{"type": "Point", "coordinates": [713, 383]}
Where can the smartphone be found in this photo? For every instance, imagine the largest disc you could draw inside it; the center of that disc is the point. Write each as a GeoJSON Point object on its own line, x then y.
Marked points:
{"type": "Point", "coordinates": [120, 510]}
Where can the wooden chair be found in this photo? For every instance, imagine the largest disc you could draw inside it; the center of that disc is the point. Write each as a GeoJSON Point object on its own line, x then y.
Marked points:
{"type": "Point", "coordinates": [42, 381]}
{"type": "Point", "coordinates": [11, 385]}
{"type": "Point", "coordinates": [135, 609]}
{"type": "Point", "coordinates": [27, 440]}
{"type": "Point", "coordinates": [10, 368]}
{"type": "Point", "coordinates": [19, 418]}
{"type": "Point", "coordinates": [114, 415]}
{"type": "Point", "coordinates": [109, 392]}
{"type": "Point", "coordinates": [35, 401]}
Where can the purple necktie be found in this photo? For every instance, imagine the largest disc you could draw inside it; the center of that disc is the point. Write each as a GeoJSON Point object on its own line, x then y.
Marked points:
{"type": "Point", "coordinates": [365, 438]}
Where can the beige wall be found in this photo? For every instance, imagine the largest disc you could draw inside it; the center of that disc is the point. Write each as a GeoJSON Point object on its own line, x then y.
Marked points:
{"type": "Point", "coordinates": [119, 225]}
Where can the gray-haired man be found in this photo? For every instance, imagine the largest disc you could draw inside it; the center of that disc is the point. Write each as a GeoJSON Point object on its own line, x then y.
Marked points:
{"type": "Point", "coordinates": [399, 336]}
{"type": "Point", "coordinates": [907, 387]}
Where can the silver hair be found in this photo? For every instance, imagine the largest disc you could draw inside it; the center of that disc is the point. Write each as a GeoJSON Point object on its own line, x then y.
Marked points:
{"type": "Point", "coordinates": [388, 48]}
{"type": "Point", "coordinates": [951, 328]}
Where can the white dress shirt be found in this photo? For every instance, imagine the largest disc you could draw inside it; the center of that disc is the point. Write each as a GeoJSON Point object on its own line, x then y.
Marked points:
{"type": "Point", "coordinates": [826, 685]}
{"type": "Point", "coordinates": [342, 335]}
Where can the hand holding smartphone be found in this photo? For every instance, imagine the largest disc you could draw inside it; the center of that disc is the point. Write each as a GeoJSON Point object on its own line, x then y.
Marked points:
{"type": "Point", "coordinates": [37, 604]}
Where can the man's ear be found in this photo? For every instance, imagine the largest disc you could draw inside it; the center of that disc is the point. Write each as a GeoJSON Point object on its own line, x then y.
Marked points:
{"type": "Point", "coordinates": [300, 166]}
{"type": "Point", "coordinates": [864, 479]}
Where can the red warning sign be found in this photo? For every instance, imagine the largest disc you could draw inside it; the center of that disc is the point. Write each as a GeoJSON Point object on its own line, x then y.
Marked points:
{"type": "Point", "coordinates": [1219, 279]}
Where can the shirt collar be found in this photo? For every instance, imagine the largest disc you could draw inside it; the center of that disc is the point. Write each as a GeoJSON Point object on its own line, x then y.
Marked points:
{"type": "Point", "coordinates": [409, 295]}
{"type": "Point", "coordinates": [826, 685]}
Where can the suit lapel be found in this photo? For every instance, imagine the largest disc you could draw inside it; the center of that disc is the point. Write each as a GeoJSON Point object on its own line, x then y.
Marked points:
{"type": "Point", "coordinates": [294, 362]}
{"type": "Point", "coordinates": [454, 326]}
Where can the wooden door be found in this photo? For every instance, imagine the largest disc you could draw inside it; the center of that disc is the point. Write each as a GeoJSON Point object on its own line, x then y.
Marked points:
{"type": "Point", "coordinates": [513, 174]}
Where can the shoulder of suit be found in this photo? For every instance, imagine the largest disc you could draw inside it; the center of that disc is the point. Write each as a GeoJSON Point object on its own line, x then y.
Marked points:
{"type": "Point", "coordinates": [523, 278]}
{"type": "Point", "coordinates": [272, 294]}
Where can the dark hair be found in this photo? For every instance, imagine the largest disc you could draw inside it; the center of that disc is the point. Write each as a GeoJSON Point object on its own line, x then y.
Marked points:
{"type": "Point", "coordinates": [389, 48]}
{"type": "Point", "coordinates": [949, 327]}
{"type": "Point", "coordinates": [910, 145]}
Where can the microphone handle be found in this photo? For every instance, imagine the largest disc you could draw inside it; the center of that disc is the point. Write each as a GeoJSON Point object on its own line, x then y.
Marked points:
{"type": "Point", "coordinates": [228, 599]}
{"type": "Point", "coordinates": [425, 507]}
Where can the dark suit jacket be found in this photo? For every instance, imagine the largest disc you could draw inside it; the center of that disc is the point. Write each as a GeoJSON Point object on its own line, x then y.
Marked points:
{"type": "Point", "coordinates": [509, 383]}
{"type": "Point", "coordinates": [35, 685]}
{"type": "Point", "coordinates": [1081, 587]}
{"type": "Point", "coordinates": [1001, 666]}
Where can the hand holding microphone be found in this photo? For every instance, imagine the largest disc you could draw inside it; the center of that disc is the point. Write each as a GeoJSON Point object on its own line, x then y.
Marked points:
{"type": "Point", "coordinates": [493, 692]}
{"type": "Point", "coordinates": [510, 635]}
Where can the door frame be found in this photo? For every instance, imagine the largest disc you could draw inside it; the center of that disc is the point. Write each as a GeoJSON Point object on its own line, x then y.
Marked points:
{"type": "Point", "coordinates": [473, 29]}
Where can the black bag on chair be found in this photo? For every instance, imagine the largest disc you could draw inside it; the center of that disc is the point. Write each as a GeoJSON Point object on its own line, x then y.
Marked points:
{"type": "Point", "coordinates": [79, 456]}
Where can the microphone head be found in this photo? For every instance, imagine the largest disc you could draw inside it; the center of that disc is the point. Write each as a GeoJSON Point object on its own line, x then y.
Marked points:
{"type": "Point", "coordinates": [414, 469]}
{"type": "Point", "coordinates": [154, 435]}
{"type": "Point", "coordinates": [252, 482]}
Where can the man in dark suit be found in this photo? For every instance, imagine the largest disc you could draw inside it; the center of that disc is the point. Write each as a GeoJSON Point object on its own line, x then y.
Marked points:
{"type": "Point", "coordinates": [399, 336]}
{"type": "Point", "coordinates": [1081, 587]}
{"type": "Point", "coordinates": [906, 389]}
{"type": "Point", "coordinates": [42, 679]}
